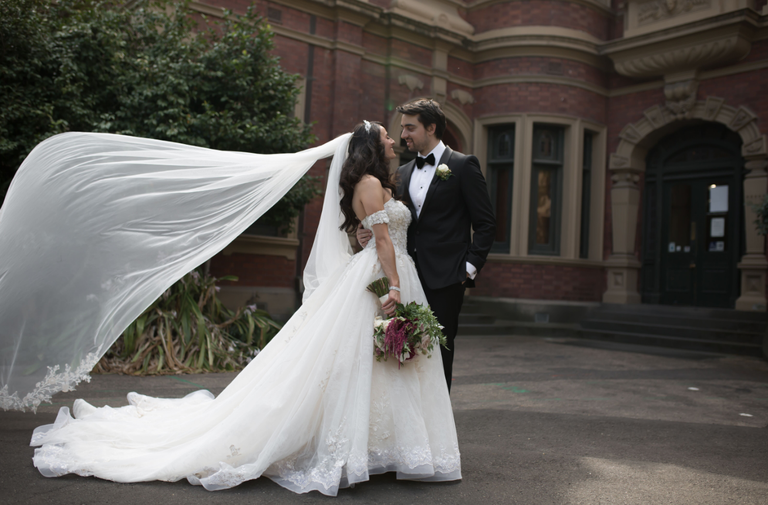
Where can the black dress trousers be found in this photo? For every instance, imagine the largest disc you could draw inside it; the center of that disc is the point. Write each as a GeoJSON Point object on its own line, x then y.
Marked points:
{"type": "Point", "coordinates": [446, 304]}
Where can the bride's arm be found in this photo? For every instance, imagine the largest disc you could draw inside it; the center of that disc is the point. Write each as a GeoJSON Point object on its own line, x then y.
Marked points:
{"type": "Point", "coordinates": [370, 193]}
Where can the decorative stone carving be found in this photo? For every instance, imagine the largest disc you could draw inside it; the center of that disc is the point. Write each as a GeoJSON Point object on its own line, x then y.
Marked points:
{"type": "Point", "coordinates": [656, 116]}
{"type": "Point", "coordinates": [627, 178]}
{"type": "Point", "coordinates": [686, 53]}
{"type": "Point", "coordinates": [742, 117]}
{"type": "Point", "coordinates": [617, 161]}
{"type": "Point", "coordinates": [441, 13]}
{"type": "Point", "coordinates": [757, 146]}
{"type": "Point", "coordinates": [681, 97]}
{"type": "Point", "coordinates": [630, 134]}
{"type": "Point", "coordinates": [411, 81]}
{"type": "Point", "coordinates": [650, 12]}
{"type": "Point", "coordinates": [462, 96]}
{"type": "Point", "coordinates": [712, 107]}
{"type": "Point", "coordinates": [757, 167]}
{"type": "Point", "coordinates": [690, 57]}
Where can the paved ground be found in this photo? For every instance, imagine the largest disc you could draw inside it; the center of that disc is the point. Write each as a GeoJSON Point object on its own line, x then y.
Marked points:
{"type": "Point", "coordinates": [540, 421]}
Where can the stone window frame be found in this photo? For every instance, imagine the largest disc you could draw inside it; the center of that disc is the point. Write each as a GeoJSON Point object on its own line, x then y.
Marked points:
{"type": "Point", "coordinates": [571, 204]}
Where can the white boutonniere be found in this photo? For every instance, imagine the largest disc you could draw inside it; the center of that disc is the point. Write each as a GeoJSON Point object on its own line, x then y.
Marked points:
{"type": "Point", "coordinates": [444, 172]}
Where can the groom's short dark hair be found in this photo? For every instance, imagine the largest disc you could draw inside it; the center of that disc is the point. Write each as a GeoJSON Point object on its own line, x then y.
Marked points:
{"type": "Point", "coordinates": [428, 112]}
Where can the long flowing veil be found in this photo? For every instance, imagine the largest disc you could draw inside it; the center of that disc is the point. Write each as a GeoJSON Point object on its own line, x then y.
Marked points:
{"type": "Point", "coordinates": [331, 249]}
{"type": "Point", "coordinates": [96, 226]}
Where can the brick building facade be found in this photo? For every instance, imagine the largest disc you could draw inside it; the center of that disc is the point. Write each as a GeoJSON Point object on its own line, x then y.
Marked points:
{"type": "Point", "coordinates": [622, 141]}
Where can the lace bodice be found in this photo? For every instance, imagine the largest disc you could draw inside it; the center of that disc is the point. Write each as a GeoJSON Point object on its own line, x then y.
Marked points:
{"type": "Point", "coordinates": [398, 216]}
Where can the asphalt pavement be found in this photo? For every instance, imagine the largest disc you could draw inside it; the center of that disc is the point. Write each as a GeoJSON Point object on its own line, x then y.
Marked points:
{"type": "Point", "coordinates": [540, 421]}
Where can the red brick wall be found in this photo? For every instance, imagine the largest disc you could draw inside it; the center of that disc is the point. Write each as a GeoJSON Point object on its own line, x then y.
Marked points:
{"type": "Point", "coordinates": [375, 44]}
{"type": "Point", "coordinates": [541, 13]}
{"type": "Point", "coordinates": [409, 52]}
{"type": "Point", "coordinates": [347, 88]}
{"type": "Point", "coordinates": [540, 98]}
{"type": "Point", "coordinates": [255, 270]}
{"type": "Point", "coordinates": [543, 282]}
{"type": "Point", "coordinates": [293, 55]}
{"type": "Point", "coordinates": [461, 68]}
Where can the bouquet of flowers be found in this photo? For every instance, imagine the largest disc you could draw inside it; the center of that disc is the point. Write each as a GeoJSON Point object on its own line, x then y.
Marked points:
{"type": "Point", "coordinates": [413, 330]}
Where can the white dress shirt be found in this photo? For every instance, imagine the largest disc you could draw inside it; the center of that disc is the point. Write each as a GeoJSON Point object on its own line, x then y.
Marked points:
{"type": "Point", "coordinates": [420, 181]}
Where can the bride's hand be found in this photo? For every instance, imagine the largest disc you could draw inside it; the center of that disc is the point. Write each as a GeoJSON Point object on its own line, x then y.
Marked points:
{"type": "Point", "coordinates": [391, 304]}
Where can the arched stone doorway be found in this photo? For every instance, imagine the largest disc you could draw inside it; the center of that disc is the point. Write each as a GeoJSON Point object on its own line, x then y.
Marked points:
{"type": "Point", "coordinates": [691, 218]}
{"type": "Point", "coordinates": [627, 165]}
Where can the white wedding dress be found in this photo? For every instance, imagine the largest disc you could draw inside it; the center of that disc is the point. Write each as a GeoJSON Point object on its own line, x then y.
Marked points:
{"type": "Point", "coordinates": [313, 411]}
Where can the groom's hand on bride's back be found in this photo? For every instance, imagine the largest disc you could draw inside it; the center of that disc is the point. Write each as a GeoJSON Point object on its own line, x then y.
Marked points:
{"type": "Point", "coordinates": [363, 235]}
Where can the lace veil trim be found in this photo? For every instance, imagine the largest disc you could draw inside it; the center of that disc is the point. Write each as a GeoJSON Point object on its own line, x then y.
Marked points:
{"type": "Point", "coordinates": [53, 382]}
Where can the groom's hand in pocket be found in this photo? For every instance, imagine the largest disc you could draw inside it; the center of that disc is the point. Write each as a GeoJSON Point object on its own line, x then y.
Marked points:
{"type": "Point", "coordinates": [363, 235]}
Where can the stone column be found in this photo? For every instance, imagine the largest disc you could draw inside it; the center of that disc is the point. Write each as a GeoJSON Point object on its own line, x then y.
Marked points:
{"type": "Point", "coordinates": [753, 264]}
{"type": "Point", "coordinates": [622, 266]}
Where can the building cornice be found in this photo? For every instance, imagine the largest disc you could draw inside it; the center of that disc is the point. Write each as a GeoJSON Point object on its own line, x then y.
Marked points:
{"type": "Point", "coordinates": [600, 5]}
{"type": "Point", "coordinates": [540, 79]}
{"type": "Point", "coordinates": [680, 52]}
{"type": "Point", "coordinates": [729, 37]}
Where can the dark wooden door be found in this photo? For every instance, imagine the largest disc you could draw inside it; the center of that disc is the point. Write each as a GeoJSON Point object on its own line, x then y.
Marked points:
{"type": "Point", "coordinates": [697, 256]}
{"type": "Point", "coordinates": [692, 218]}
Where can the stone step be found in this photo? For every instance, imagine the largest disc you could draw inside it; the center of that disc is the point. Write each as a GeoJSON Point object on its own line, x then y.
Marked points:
{"type": "Point", "coordinates": [685, 312]}
{"type": "Point", "coordinates": [653, 328]}
{"type": "Point", "coordinates": [678, 320]}
{"type": "Point", "coordinates": [502, 327]}
{"type": "Point", "coordinates": [697, 344]}
{"type": "Point", "coordinates": [475, 318]}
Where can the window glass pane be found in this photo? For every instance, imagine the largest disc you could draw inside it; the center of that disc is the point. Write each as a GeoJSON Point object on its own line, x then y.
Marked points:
{"type": "Point", "coordinates": [544, 207]}
{"type": "Point", "coordinates": [501, 154]}
{"type": "Point", "coordinates": [505, 145]}
{"type": "Point", "coordinates": [718, 198]}
{"type": "Point", "coordinates": [586, 186]}
{"type": "Point", "coordinates": [546, 180]}
{"type": "Point", "coordinates": [502, 203]}
{"type": "Point", "coordinates": [546, 144]}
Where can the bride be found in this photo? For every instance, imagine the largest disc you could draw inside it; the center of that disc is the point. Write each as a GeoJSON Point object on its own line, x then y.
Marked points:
{"type": "Point", "coordinates": [314, 410]}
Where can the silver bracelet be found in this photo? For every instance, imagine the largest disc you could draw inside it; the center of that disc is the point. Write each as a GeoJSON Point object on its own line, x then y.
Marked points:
{"type": "Point", "coordinates": [394, 288]}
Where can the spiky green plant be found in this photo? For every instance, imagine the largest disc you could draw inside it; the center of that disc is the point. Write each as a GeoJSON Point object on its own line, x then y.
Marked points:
{"type": "Point", "coordinates": [761, 212]}
{"type": "Point", "coordinates": [189, 330]}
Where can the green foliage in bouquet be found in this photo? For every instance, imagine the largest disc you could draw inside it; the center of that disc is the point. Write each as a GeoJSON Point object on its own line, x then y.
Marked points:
{"type": "Point", "coordinates": [146, 69]}
{"type": "Point", "coordinates": [413, 330]}
{"type": "Point", "coordinates": [188, 330]}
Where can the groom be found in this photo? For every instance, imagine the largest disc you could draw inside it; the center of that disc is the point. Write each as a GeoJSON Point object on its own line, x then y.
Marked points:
{"type": "Point", "coordinates": [447, 195]}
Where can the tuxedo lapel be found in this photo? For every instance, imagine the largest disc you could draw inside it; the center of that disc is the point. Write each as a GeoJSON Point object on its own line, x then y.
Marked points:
{"type": "Point", "coordinates": [435, 179]}
{"type": "Point", "coordinates": [405, 184]}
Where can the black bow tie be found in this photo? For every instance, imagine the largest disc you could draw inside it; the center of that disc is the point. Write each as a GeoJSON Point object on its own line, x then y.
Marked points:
{"type": "Point", "coordinates": [429, 160]}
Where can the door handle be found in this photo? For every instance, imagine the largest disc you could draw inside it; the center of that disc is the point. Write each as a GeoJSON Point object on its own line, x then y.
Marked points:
{"type": "Point", "coordinates": [692, 265]}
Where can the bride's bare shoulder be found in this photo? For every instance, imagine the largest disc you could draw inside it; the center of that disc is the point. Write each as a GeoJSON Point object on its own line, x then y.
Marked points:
{"type": "Point", "coordinates": [368, 183]}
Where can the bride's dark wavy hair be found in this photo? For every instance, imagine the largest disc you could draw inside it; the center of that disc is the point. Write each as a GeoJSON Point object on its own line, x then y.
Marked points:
{"type": "Point", "coordinates": [365, 156]}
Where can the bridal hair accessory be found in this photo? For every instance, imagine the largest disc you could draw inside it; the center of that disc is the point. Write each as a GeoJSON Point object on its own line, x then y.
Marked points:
{"type": "Point", "coordinates": [367, 125]}
{"type": "Point", "coordinates": [413, 330]}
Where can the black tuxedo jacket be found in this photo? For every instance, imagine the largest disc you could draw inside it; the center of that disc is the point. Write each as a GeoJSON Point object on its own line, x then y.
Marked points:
{"type": "Point", "coordinates": [440, 240]}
